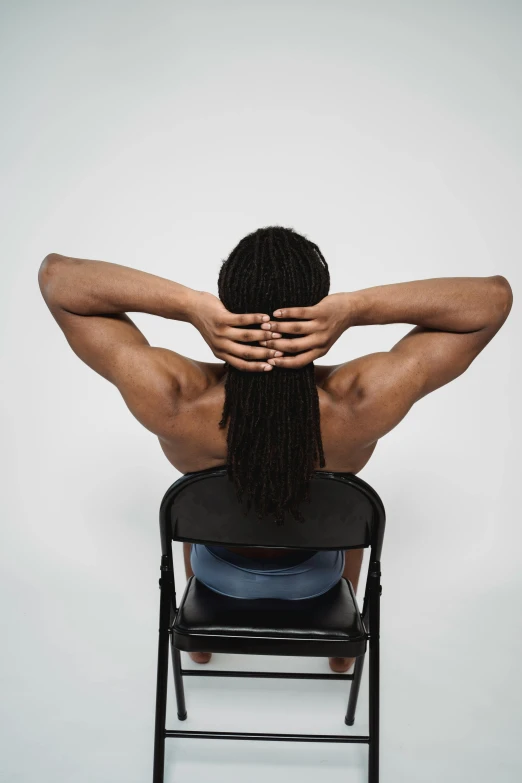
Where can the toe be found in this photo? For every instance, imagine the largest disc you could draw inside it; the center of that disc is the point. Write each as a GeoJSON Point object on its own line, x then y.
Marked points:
{"type": "Point", "coordinates": [341, 665]}
{"type": "Point", "coordinates": [200, 657]}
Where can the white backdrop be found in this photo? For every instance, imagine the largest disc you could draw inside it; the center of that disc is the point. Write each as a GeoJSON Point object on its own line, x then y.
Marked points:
{"type": "Point", "coordinates": [156, 135]}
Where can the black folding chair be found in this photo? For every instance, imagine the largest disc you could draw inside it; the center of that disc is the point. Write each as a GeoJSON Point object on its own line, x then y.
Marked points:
{"type": "Point", "coordinates": [344, 512]}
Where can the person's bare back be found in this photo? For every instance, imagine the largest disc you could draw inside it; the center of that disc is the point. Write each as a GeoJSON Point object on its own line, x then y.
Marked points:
{"type": "Point", "coordinates": [181, 400]}
{"type": "Point", "coordinates": [195, 442]}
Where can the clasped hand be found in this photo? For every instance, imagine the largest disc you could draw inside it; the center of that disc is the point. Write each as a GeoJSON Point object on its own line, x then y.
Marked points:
{"type": "Point", "coordinates": [318, 327]}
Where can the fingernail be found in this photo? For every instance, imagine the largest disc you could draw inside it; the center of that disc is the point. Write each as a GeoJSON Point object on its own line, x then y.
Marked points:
{"type": "Point", "coordinates": [278, 353]}
{"type": "Point", "coordinates": [266, 318]}
{"type": "Point", "coordinates": [266, 367]}
{"type": "Point", "coordinates": [271, 361]}
{"type": "Point", "coordinates": [277, 313]}
{"type": "Point", "coordinates": [265, 326]}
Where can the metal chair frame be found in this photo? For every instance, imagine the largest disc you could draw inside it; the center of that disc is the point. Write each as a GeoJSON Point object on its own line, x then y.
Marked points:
{"type": "Point", "coordinates": [168, 610]}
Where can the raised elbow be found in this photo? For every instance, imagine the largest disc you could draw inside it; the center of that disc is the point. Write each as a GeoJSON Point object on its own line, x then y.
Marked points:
{"type": "Point", "coordinates": [48, 270]}
{"type": "Point", "coordinates": [503, 296]}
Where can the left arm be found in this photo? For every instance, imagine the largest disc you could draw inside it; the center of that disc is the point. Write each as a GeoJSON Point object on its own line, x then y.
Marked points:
{"type": "Point", "coordinates": [90, 300]}
{"type": "Point", "coordinates": [84, 288]}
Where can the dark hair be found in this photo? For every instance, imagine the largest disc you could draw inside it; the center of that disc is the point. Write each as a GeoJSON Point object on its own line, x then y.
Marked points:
{"type": "Point", "coordinates": [274, 436]}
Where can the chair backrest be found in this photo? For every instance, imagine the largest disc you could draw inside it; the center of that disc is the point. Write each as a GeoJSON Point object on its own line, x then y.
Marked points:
{"type": "Point", "coordinates": [344, 512]}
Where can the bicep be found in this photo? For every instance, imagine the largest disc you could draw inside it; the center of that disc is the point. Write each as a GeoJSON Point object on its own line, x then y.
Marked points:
{"type": "Point", "coordinates": [99, 340]}
{"type": "Point", "coordinates": [432, 358]}
{"type": "Point", "coordinates": [114, 347]}
{"type": "Point", "coordinates": [437, 357]}
{"type": "Point", "coordinates": [421, 362]}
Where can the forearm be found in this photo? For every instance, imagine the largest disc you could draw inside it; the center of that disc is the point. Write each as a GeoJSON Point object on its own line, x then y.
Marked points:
{"type": "Point", "coordinates": [453, 304]}
{"type": "Point", "coordinates": [89, 287]}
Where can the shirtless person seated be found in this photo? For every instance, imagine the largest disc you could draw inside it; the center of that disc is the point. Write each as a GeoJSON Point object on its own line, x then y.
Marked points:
{"type": "Point", "coordinates": [265, 410]}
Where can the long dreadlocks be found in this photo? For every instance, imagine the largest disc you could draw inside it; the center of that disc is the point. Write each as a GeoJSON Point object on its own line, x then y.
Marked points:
{"type": "Point", "coordinates": [274, 436]}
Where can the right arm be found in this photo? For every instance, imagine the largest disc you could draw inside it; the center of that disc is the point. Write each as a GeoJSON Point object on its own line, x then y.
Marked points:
{"type": "Point", "coordinates": [455, 318]}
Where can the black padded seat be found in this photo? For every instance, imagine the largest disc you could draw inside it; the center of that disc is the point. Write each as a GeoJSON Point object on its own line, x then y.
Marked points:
{"type": "Point", "coordinates": [328, 625]}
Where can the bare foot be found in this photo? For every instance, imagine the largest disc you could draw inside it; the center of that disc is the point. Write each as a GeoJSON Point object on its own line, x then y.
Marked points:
{"type": "Point", "coordinates": [340, 665]}
{"type": "Point", "coordinates": [202, 657]}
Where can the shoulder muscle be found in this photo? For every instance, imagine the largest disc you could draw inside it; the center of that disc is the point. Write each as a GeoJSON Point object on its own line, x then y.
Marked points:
{"type": "Point", "coordinates": [154, 382]}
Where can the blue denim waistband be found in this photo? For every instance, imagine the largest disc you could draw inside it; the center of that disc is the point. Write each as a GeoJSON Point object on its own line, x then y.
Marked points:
{"type": "Point", "coordinates": [246, 578]}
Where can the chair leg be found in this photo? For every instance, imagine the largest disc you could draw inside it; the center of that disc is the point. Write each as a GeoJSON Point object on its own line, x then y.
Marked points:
{"type": "Point", "coordinates": [373, 758]}
{"type": "Point", "coordinates": [374, 679]}
{"type": "Point", "coordinates": [354, 690]}
{"type": "Point", "coordinates": [161, 706]}
{"type": "Point", "coordinates": [165, 584]}
{"type": "Point", "coordinates": [178, 680]}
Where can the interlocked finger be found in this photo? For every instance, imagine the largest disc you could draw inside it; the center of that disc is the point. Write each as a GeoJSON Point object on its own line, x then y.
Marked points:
{"type": "Point", "coordinates": [245, 319]}
{"type": "Point", "coordinates": [293, 346]}
{"type": "Point", "coordinates": [295, 362]}
{"type": "Point", "coordinates": [244, 335]}
{"type": "Point", "coordinates": [296, 312]}
{"type": "Point", "coordinates": [292, 327]}
{"type": "Point", "coordinates": [248, 352]}
{"type": "Point", "coordinates": [240, 364]}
